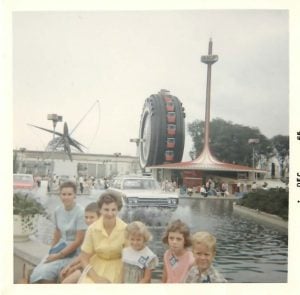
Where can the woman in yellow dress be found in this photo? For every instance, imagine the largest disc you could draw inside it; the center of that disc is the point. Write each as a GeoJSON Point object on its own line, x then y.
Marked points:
{"type": "Point", "coordinates": [103, 243]}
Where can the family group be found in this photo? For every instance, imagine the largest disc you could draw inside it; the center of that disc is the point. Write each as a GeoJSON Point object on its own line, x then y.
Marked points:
{"type": "Point", "coordinates": [96, 246]}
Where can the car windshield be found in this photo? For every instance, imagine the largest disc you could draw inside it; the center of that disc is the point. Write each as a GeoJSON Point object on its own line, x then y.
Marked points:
{"type": "Point", "coordinates": [140, 184]}
{"type": "Point", "coordinates": [23, 178]}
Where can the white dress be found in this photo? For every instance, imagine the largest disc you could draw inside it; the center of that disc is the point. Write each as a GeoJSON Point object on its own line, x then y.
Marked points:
{"type": "Point", "coordinates": [135, 263]}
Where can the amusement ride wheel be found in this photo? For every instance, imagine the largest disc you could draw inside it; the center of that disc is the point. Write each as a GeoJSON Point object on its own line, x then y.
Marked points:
{"type": "Point", "coordinates": [162, 130]}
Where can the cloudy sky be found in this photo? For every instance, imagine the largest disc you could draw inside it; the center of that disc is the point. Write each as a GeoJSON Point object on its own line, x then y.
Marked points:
{"type": "Point", "coordinates": [64, 61]}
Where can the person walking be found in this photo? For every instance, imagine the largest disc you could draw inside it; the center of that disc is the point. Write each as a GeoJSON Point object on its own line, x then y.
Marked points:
{"type": "Point", "coordinates": [81, 181]}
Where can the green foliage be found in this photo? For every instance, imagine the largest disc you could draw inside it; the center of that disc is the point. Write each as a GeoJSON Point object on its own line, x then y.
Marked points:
{"type": "Point", "coordinates": [273, 201]}
{"type": "Point", "coordinates": [281, 144]}
{"type": "Point", "coordinates": [229, 142]}
{"type": "Point", "coordinates": [24, 205]}
{"type": "Point", "coordinates": [15, 162]}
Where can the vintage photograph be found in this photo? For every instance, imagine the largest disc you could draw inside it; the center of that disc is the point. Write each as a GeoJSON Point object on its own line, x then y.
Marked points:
{"type": "Point", "coordinates": [150, 146]}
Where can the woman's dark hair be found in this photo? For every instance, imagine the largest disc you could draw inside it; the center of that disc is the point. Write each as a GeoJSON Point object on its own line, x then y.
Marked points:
{"type": "Point", "coordinates": [180, 227]}
{"type": "Point", "coordinates": [68, 184]}
{"type": "Point", "coordinates": [108, 197]}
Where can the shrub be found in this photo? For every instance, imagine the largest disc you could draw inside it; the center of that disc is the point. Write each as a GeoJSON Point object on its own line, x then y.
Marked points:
{"type": "Point", "coordinates": [273, 201]}
{"type": "Point", "coordinates": [24, 205]}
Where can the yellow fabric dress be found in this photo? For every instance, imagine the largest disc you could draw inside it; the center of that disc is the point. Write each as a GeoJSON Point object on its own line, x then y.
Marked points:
{"type": "Point", "coordinates": [107, 249]}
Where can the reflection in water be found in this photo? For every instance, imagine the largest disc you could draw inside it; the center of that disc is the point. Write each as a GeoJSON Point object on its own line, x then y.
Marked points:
{"type": "Point", "coordinates": [246, 251]}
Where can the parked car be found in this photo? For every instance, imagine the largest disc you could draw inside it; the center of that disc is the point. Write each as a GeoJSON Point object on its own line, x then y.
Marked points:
{"type": "Point", "coordinates": [143, 191]}
{"type": "Point", "coordinates": [24, 182]}
{"type": "Point", "coordinates": [63, 178]}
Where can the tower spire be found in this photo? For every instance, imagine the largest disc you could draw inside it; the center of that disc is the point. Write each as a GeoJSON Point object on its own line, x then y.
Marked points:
{"type": "Point", "coordinates": [209, 59]}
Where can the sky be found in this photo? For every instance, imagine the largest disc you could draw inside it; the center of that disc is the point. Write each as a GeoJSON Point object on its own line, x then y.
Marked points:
{"type": "Point", "coordinates": [63, 62]}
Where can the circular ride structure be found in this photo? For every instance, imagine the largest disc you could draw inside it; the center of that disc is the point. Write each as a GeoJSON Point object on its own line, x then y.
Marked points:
{"type": "Point", "coordinates": [162, 130]}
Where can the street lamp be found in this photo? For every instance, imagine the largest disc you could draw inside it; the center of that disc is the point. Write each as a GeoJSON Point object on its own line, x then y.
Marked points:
{"type": "Point", "coordinates": [117, 155]}
{"type": "Point", "coordinates": [137, 142]}
{"type": "Point", "coordinates": [54, 118]}
{"type": "Point", "coordinates": [104, 162]}
{"type": "Point", "coordinates": [253, 141]}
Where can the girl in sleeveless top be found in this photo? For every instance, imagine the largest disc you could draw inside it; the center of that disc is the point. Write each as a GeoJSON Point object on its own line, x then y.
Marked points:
{"type": "Point", "coordinates": [178, 258]}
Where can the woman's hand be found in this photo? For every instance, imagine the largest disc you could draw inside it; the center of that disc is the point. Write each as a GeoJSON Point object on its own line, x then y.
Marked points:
{"type": "Point", "coordinates": [53, 257]}
{"type": "Point", "coordinates": [73, 268]}
{"type": "Point", "coordinates": [65, 270]}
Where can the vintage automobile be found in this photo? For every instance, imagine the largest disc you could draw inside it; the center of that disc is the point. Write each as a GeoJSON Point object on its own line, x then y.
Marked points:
{"type": "Point", "coordinates": [63, 178]}
{"type": "Point", "coordinates": [23, 182]}
{"type": "Point", "coordinates": [143, 191]}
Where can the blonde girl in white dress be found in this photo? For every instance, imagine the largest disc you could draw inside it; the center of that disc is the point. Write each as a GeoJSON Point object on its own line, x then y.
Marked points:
{"type": "Point", "coordinates": [138, 259]}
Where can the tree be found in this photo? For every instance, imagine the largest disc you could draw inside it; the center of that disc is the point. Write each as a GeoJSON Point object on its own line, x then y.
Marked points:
{"type": "Point", "coordinates": [229, 142]}
{"type": "Point", "coordinates": [281, 145]}
{"type": "Point", "coordinates": [15, 162]}
{"type": "Point", "coordinates": [195, 129]}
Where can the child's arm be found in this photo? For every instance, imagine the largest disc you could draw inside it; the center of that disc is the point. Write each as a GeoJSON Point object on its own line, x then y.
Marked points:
{"type": "Point", "coordinates": [72, 278]}
{"type": "Point", "coordinates": [68, 249]}
{"type": "Point", "coordinates": [72, 266]}
{"type": "Point", "coordinates": [75, 261]}
{"type": "Point", "coordinates": [64, 272]}
{"type": "Point", "coordinates": [55, 239]}
{"type": "Point", "coordinates": [147, 276]}
{"type": "Point", "coordinates": [67, 270]}
{"type": "Point", "coordinates": [76, 265]}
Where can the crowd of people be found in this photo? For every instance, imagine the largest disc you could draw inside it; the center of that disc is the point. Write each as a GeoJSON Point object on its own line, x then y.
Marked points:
{"type": "Point", "coordinates": [84, 183]}
{"type": "Point", "coordinates": [94, 245]}
{"type": "Point", "coordinates": [209, 188]}
{"type": "Point", "coordinates": [168, 186]}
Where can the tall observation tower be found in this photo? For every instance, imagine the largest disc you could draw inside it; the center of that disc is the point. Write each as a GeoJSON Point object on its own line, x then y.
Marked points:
{"type": "Point", "coordinates": [209, 59]}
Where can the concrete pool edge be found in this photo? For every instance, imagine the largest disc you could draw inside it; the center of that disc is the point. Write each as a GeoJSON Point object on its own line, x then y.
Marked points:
{"type": "Point", "coordinates": [262, 216]}
{"type": "Point", "coordinates": [31, 253]}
